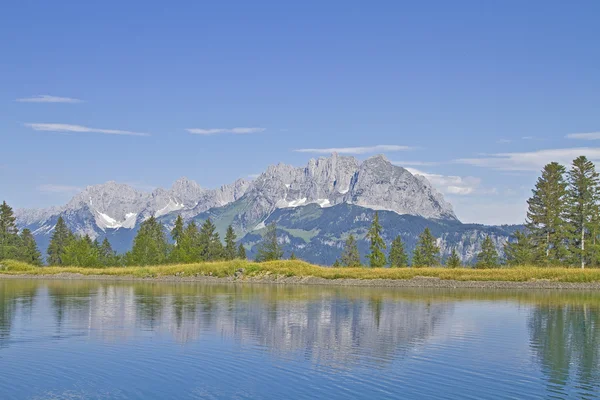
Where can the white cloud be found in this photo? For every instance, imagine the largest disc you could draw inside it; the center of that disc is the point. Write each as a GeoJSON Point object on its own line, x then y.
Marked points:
{"type": "Point", "coordinates": [584, 136]}
{"type": "Point", "coordinates": [416, 163]}
{"type": "Point", "coordinates": [216, 131]}
{"type": "Point", "coordinates": [356, 150]}
{"type": "Point", "coordinates": [80, 129]}
{"type": "Point", "coordinates": [452, 184]}
{"type": "Point", "coordinates": [503, 141]}
{"type": "Point", "coordinates": [51, 188]}
{"type": "Point", "coordinates": [44, 98]}
{"type": "Point", "coordinates": [253, 176]}
{"type": "Point", "coordinates": [533, 160]}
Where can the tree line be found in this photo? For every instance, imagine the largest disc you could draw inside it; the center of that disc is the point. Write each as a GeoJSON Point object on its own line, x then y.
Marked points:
{"type": "Point", "coordinates": [562, 229]}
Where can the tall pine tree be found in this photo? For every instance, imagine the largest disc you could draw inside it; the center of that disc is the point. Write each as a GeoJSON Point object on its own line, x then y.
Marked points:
{"type": "Point", "coordinates": [546, 214]}
{"type": "Point", "coordinates": [230, 248]}
{"type": "Point", "coordinates": [9, 239]}
{"type": "Point", "coordinates": [150, 246]}
{"type": "Point", "coordinates": [61, 238]}
{"type": "Point", "coordinates": [376, 256]}
{"type": "Point", "coordinates": [106, 255]}
{"type": "Point", "coordinates": [398, 256]}
{"type": "Point", "coordinates": [211, 248]}
{"type": "Point", "coordinates": [582, 199]}
{"type": "Point", "coordinates": [426, 253]}
{"type": "Point", "coordinates": [521, 251]}
{"type": "Point", "coordinates": [350, 254]}
{"type": "Point", "coordinates": [29, 250]}
{"type": "Point", "coordinates": [241, 252]}
{"type": "Point", "coordinates": [488, 256]}
{"type": "Point", "coordinates": [269, 248]}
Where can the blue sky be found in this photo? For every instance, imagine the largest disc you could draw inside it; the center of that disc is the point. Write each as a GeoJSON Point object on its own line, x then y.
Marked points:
{"type": "Point", "coordinates": [477, 95]}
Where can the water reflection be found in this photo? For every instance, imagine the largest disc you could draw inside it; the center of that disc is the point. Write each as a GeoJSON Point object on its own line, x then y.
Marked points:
{"type": "Point", "coordinates": [341, 328]}
{"type": "Point", "coordinates": [566, 341]}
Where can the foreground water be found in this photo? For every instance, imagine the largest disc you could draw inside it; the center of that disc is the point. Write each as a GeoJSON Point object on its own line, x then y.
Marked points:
{"type": "Point", "coordinates": [107, 340]}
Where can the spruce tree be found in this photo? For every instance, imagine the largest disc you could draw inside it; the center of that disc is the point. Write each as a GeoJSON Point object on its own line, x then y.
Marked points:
{"type": "Point", "coordinates": [582, 209]}
{"type": "Point", "coordinates": [426, 253]}
{"type": "Point", "coordinates": [9, 239]}
{"type": "Point", "coordinates": [150, 246]}
{"type": "Point", "coordinates": [398, 256]}
{"type": "Point", "coordinates": [241, 253]}
{"type": "Point", "coordinates": [488, 257]}
{"type": "Point", "coordinates": [521, 251]}
{"type": "Point", "coordinates": [337, 263]}
{"type": "Point", "coordinates": [177, 231]}
{"type": "Point", "coordinates": [230, 248]}
{"type": "Point", "coordinates": [81, 252]}
{"type": "Point", "coordinates": [211, 248]}
{"type": "Point", "coordinates": [293, 256]}
{"type": "Point", "coordinates": [454, 260]}
{"type": "Point", "coordinates": [61, 237]}
{"type": "Point", "coordinates": [350, 255]}
{"type": "Point", "coordinates": [188, 248]}
{"type": "Point", "coordinates": [546, 214]}
{"type": "Point", "coordinates": [376, 256]}
{"type": "Point", "coordinates": [269, 249]}
{"type": "Point", "coordinates": [106, 255]}
{"type": "Point", "coordinates": [29, 250]}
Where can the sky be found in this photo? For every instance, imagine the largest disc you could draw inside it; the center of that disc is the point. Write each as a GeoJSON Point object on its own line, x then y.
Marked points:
{"type": "Point", "coordinates": [475, 95]}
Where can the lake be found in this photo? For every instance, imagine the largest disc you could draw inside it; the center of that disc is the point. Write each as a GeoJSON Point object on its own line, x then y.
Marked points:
{"type": "Point", "coordinates": [139, 340]}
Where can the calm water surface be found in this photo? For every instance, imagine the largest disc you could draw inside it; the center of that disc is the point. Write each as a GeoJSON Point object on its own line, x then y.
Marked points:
{"type": "Point", "coordinates": [106, 340]}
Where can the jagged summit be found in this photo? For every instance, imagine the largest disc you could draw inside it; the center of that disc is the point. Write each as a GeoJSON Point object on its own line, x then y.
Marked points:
{"type": "Point", "coordinates": [374, 183]}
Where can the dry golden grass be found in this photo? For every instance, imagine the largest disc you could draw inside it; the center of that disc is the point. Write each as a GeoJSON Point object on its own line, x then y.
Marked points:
{"type": "Point", "coordinates": [303, 269]}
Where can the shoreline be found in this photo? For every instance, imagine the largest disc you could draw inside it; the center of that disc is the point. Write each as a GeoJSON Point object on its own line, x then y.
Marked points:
{"type": "Point", "coordinates": [415, 282]}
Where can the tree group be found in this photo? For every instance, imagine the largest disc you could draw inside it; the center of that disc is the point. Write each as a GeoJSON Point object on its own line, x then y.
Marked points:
{"type": "Point", "coordinates": [563, 218]}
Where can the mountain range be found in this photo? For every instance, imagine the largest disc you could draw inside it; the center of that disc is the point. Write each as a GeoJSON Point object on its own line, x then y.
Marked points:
{"type": "Point", "coordinates": [315, 208]}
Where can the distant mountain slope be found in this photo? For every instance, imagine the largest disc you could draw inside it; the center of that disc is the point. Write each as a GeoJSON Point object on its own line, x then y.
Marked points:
{"type": "Point", "coordinates": [332, 195]}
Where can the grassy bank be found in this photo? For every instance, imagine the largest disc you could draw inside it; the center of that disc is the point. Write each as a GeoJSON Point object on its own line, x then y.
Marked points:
{"type": "Point", "coordinates": [302, 269]}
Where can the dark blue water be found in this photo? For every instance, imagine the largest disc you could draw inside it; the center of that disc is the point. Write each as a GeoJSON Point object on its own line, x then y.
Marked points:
{"type": "Point", "coordinates": [93, 340]}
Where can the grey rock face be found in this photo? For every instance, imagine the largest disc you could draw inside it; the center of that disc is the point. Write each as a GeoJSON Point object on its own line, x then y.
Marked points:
{"type": "Point", "coordinates": [375, 183]}
{"type": "Point", "coordinates": [327, 181]}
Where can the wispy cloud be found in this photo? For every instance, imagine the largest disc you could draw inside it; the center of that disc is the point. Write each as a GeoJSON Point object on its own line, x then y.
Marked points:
{"type": "Point", "coordinates": [584, 136]}
{"type": "Point", "coordinates": [217, 131]}
{"type": "Point", "coordinates": [416, 163]}
{"type": "Point", "coordinates": [81, 129]}
{"type": "Point", "coordinates": [356, 150]}
{"type": "Point", "coordinates": [503, 141]}
{"type": "Point", "coordinates": [253, 176]}
{"type": "Point", "coordinates": [44, 98]}
{"type": "Point", "coordinates": [531, 161]}
{"type": "Point", "coordinates": [52, 188]}
{"type": "Point", "coordinates": [451, 184]}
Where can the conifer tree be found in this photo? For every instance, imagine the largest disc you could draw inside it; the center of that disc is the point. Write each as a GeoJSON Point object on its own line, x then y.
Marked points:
{"type": "Point", "coordinates": [454, 260]}
{"type": "Point", "coordinates": [80, 252]}
{"type": "Point", "coordinates": [293, 256]}
{"type": "Point", "coordinates": [9, 238]}
{"type": "Point", "coordinates": [211, 248]}
{"type": "Point", "coordinates": [269, 249]}
{"type": "Point", "coordinates": [350, 255]}
{"type": "Point", "coordinates": [188, 248]}
{"type": "Point", "coordinates": [546, 214]}
{"type": "Point", "coordinates": [241, 253]}
{"type": "Point", "coordinates": [29, 250]}
{"type": "Point", "coordinates": [521, 251]}
{"type": "Point", "coordinates": [106, 255]}
{"type": "Point", "coordinates": [582, 208]}
{"type": "Point", "coordinates": [376, 256]}
{"type": "Point", "coordinates": [398, 256]}
{"type": "Point", "coordinates": [488, 257]}
{"type": "Point", "coordinates": [177, 231]}
{"type": "Point", "coordinates": [337, 263]}
{"type": "Point", "coordinates": [61, 237]}
{"type": "Point", "coordinates": [150, 246]}
{"type": "Point", "coordinates": [230, 248]}
{"type": "Point", "coordinates": [426, 253]}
